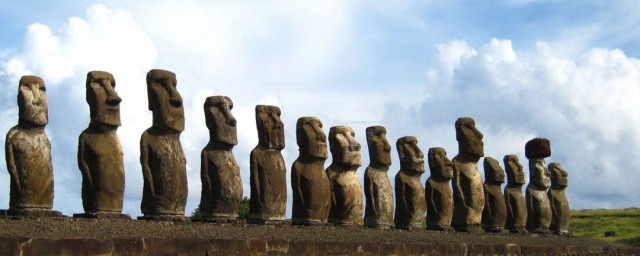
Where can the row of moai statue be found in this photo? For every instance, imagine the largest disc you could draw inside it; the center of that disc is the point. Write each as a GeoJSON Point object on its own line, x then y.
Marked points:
{"type": "Point", "coordinates": [455, 196]}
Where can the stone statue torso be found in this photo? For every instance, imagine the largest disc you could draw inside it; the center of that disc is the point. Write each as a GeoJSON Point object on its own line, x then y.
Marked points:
{"type": "Point", "coordinates": [439, 203]}
{"type": "Point", "coordinates": [165, 177]}
{"type": "Point", "coordinates": [494, 213]}
{"type": "Point", "coordinates": [346, 197]}
{"type": "Point", "coordinates": [411, 204]}
{"type": "Point", "coordinates": [516, 209]}
{"type": "Point", "coordinates": [29, 152]}
{"type": "Point", "coordinates": [538, 209]}
{"type": "Point", "coordinates": [104, 180]}
{"type": "Point", "coordinates": [221, 183]}
{"type": "Point", "coordinates": [468, 194]}
{"type": "Point", "coordinates": [379, 195]}
{"type": "Point", "coordinates": [268, 184]}
{"type": "Point", "coordinates": [311, 191]}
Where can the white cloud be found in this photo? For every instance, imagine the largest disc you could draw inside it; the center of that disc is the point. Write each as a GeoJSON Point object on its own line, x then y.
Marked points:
{"type": "Point", "coordinates": [585, 105]}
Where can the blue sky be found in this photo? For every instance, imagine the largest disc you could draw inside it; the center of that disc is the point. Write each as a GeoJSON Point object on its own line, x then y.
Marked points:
{"type": "Point", "coordinates": [565, 70]}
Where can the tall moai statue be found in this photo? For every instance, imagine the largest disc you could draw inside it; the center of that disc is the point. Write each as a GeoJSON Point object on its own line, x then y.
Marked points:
{"type": "Point", "coordinates": [100, 157]}
{"type": "Point", "coordinates": [268, 177]}
{"type": "Point", "coordinates": [346, 193]}
{"type": "Point", "coordinates": [164, 167]}
{"type": "Point", "coordinates": [561, 215]}
{"type": "Point", "coordinates": [513, 196]}
{"type": "Point", "coordinates": [494, 214]}
{"type": "Point", "coordinates": [468, 194]}
{"type": "Point", "coordinates": [411, 204]}
{"type": "Point", "coordinates": [438, 191]}
{"type": "Point", "coordinates": [377, 186]}
{"type": "Point", "coordinates": [219, 171]}
{"type": "Point", "coordinates": [538, 204]}
{"type": "Point", "coordinates": [309, 182]}
{"type": "Point", "coordinates": [28, 153]}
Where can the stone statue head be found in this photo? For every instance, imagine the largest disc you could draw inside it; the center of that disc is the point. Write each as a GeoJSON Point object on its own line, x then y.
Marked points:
{"type": "Point", "coordinates": [32, 101]}
{"type": "Point", "coordinates": [312, 141]}
{"type": "Point", "coordinates": [379, 148]}
{"type": "Point", "coordinates": [270, 127]}
{"type": "Point", "coordinates": [220, 121]}
{"type": "Point", "coordinates": [344, 147]}
{"type": "Point", "coordinates": [411, 157]}
{"type": "Point", "coordinates": [537, 148]}
{"type": "Point", "coordinates": [515, 171]}
{"type": "Point", "coordinates": [103, 100]}
{"type": "Point", "coordinates": [469, 138]}
{"type": "Point", "coordinates": [493, 173]}
{"type": "Point", "coordinates": [558, 176]}
{"type": "Point", "coordinates": [439, 164]}
{"type": "Point", "coordinates": [539, 174]}
{"type": "Point", "coordinates": [164, 100]}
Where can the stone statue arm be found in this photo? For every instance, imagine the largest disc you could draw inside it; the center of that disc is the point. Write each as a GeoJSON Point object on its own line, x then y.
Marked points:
{"type": "Point", "coordinates": [370, 191]}
{"type": "Point", "coordinates": [11, 163]}
{"type": "Point", "coordinates": [401, 190]}
{"type": "Point", "coordinates": [456, 186]}
{"type": "Point", "coordinates": [429, 195]}
{"type": "Point", "coordinates": [296, 181]}
{"type": "Point", "coordinates": [508, 202]}
{"type": "Point", "coordinates": [552, 204]}
{"type": "Point", "coordinates": [204, 170]}
{"type": "Point", "coordinates": [82, 165]}
{"type": "Point", "coordinates": [488, 204]}
{"type": "Point", "coordinates": [254, 168]}
{"type": "Point", "coordinates": [144, 161]}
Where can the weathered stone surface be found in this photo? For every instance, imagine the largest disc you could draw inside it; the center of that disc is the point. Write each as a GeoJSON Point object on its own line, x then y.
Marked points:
{"type": "Point", "coordinates": [28, 150]}
{"type": "Point", "coordinates": [411, 204]}
{"type": "Point", "coordinates": [468, 194]}
{"type": "Point", "coordinates": [537, 148]}
{"type": "Point", "coordinates": [346, 193]}
{"type": "Point", "coordinates": [538, 204]}
{"type": "Point", "coordinates": [268, 173]}
{"type": "Point", "coordinates": [219, 171]}
{"type": "Point", "coordinates": [513, 196]}
{"type": "Point", "coordinates": [561, 215]}
{"type": "Point", "coordinates": [100, 157]}
{"type": "Point", "coordinates": [438, 191]}
{"type": "Point", "coordinates": [164, 166]}
{"type": "Point", "coordinates": [309, 182]}
{"type": "Point", "coordinates": [494, 213]}
{"type": "Point", "coordinates": [377, 186]}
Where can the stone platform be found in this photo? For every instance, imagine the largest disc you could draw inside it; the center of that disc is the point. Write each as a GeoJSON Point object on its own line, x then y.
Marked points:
{"type": "Point", "coordinates": [87, 236]}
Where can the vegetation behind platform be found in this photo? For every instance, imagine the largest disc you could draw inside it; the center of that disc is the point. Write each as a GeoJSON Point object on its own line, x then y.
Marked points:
{"type": "Point", "coordinates": [622, 225]}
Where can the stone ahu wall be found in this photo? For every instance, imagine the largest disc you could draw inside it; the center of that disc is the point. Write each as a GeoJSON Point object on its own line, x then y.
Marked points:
{"type": "Point", "coordinates": [456, 195]}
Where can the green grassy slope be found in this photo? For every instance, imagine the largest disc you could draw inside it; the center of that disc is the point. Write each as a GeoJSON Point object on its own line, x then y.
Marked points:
{"type": "Point", "coordinates": [594, 223]}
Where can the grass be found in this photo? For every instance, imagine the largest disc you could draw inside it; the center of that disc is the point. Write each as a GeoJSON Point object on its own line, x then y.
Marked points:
{"type": "Point", "coordinates": [594, 223]}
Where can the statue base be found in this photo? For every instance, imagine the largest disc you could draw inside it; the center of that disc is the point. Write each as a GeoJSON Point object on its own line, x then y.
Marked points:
{"type": "Point", "coordinates": [495, 230]}
{"type": "Point", "coordinates": [469, 228]}
{"type": "Point", "coordinates": [220, 220]}
{"type": "Point", "coordinates": [31, 213]}
{"type": "Point", "coordinates": [542, 231]}
{"type": "Point", "coordinates": [274, 222]}
{"type": "Point", "coordinates": [409, 226]}
{"type": "Point", "coordinates": [307, 222]}
{"type": "Point", "coordinates": [377, 224]}
{"type": "Point", "coordinates": [167, 217]}
{"type": "Point", "coordinates": [445, 229]}
{"type": "Point", "coordinates": [518, 230]}
{"type": "Point", "coordinates": [102, 215]}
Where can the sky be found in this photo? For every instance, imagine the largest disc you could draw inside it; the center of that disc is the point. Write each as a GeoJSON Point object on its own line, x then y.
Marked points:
{"type": "Point", "coordinates": [568, 71]}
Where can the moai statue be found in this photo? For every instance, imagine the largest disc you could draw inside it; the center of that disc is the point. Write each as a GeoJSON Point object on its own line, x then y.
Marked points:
{"type": "Point", "coordinates": [438, 191]}
{"type": "Point", "coordinates": [561, 215]}
{"type": "Point", "coordinates": [164, 167]}
{"type": "Point", "coordinates": [346, 192]}
{"type": "Point", "coordinates": [411, 204]}
{"type": "Point", "coordinates": [377, 186]}
{"type": "Point", "coordinates": [494, 214]}
{"type": "Point", "coordinates": [309, 182]}
{"type": "Point", "coordinates": [468, 194]}
{"type": "Point", "coordinates": [538, 205]}
{"type": "Point", "coordinates": [28, 153]}
{"type": "Point", "coordinates": [268, 173]}
{"type": "Point", "coordinates": [100, 157]}
{"type": "Point", "coordinates": [219, 171]}
{"type": "Point", "coordinates": [513, 197]}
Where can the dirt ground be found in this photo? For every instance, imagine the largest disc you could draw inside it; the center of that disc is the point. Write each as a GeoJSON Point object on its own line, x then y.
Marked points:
{"type": "Point", "coordinates": [60, 228]}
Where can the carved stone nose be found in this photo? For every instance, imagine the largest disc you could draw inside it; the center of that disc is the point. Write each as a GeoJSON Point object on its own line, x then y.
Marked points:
{"type": "Point", "coordinates": [113, 100]}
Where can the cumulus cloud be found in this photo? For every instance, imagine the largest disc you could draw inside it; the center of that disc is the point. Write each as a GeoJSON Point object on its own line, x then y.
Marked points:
{"type": "Point", "coordinates": [107, 39]}
{"type": "Point", "coordinates": [585, 105]}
